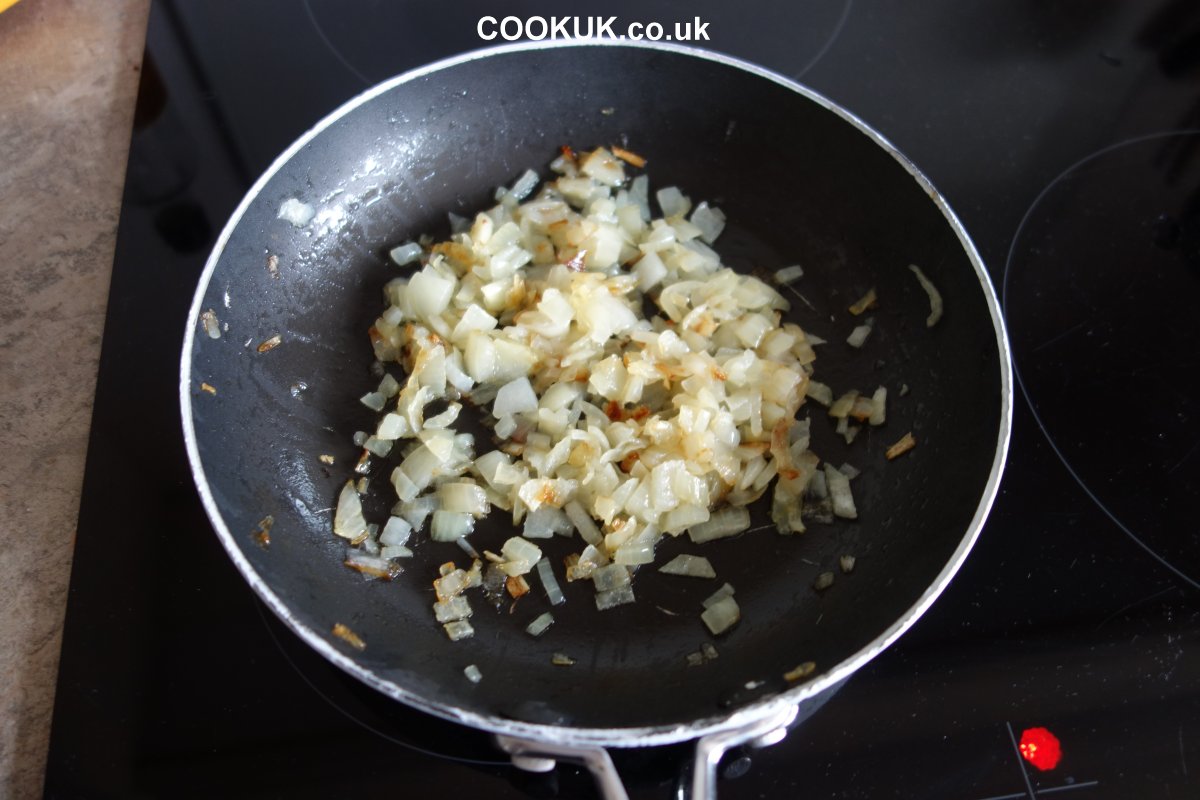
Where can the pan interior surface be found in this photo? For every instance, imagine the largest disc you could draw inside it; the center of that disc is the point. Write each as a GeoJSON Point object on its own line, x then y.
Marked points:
{"type": "Point", "coordinates": [799, 184]}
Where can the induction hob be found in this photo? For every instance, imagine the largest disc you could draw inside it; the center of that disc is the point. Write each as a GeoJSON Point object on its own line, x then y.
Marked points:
{"type": "Point", "coordinates": [1067, 138]}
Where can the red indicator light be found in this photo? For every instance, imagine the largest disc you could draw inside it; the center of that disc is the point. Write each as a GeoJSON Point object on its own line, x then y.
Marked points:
{"type": "Point", "coordinates": [1041, 748]}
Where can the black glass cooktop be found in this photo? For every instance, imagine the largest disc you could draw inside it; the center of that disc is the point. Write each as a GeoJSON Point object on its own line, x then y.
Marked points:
{"type": "Point", "coordinates": [1066, 135]}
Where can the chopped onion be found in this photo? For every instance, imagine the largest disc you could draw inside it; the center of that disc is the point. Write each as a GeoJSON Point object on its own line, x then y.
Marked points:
{"type": "Point", "coordinates": [858, 336]}
{"type": "Point", "coordinates": [719, 595]}
{"type": "Point", "coordinates": [726, 522]}
{"type": "Point", "coordinates": [800, 672]}
{"type": "Point", "coordinates": [819, 392]}
{"type": "Point", "coordinates": [373, 401]}
{"type": "Point", "coordinates": [846, 563]}
{"type": "Point", "coordinates": [863, 303]}
{"type": "Point", "coordinates": [789, 274]}
{"type": "Point", "coordinates": [878, 407]}
{"type": "Point", "coordinates": [405, 254]}
{"type": "Point", "coordinates": [839, 493]}
{"type": "Point", "coordinates": [371, 567]}
{"type": "Point", "coordinates": [935, 297]}
{"type": "Point", "coordinates": [515, 397]}
{"type": "Point", "coordinates": [456, 607]}
{"type": "Point", "coordinates": [841, 407]}
{"type": "Point", "coordinates": [523, 185]}
{"type": "Point", "coordinates": [722, 615]}
{"type": "Point", "coordinates": [459, 630]}
{"type": "Point", "coordinates": [473, 674]}
{"type": "Point", "coordinates": [693, 566]}
{"type": "Point", "coordinates": [297, 213]}
{"type": "Point", "coordinates": [545, 521]}
{"type": "Point", "coordinates": [610, 598]}
{"type": "Point", "coordinates": [348, 519]}
{"type": "Point", "coordinates": [210, 324]}
{"type": "Point", "coordinates": [906, 443]}
{"type": "Point", "coordinates": [823, 581]}
{"type": "Point", "coordinates": [623, 428]}
{"type": "Point", "coordinates": [583, 523]}
{"type": "Point", "coordinates": [349, 637]}
{"type": "Point", "coordinates": [540, 624]}
{"type": "Point", "coordinates": [612, 576]}
{"type": "Point", "coordinates": [550, 583]}
{"type": "Point", "coordinates": [395, 532]}
{"type": "Point", "coordinates": [710, 221]}
{"type": "Point", "coordinates": [449, 526]}
{"type": "Point", "coordinates": [463, 497]}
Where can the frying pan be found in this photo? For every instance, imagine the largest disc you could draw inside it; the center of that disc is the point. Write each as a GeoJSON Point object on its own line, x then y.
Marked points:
{"type": "Point", "coordinates": [802, 182]}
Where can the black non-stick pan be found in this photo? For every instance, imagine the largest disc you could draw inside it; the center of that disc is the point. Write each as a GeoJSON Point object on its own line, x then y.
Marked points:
{"type": "Point", "coordinates": [802, 182]}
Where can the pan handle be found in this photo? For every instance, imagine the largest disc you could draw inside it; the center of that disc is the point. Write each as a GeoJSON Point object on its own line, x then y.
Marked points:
{"type": "Point", "coordinates": [762, 732]}
{"type": "Point", "coordinates": [535, 756]}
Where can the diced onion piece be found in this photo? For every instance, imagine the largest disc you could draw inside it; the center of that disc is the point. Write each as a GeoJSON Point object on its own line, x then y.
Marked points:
{"type": "Point", "coordinates": [721, 615]}
{"type": "Point", "coordinates": [388, 386]}
{"type": "Point", "coordinates": [710, 221]}
{"type": "Point", "coordinates": [349, 637]}
{"type": "Point", "coordinates": [878, 407]}
{"type": "Point", "coordinates": [457, 607]}
{"type": "Point", "coordinates": [583, 523]}
{"type": "Point", "coordinates": [373, 401]}
{"type": "Point", "coordinates": [602, 166]}
{"type": "Point", "coordinates": [726, 522]}
{"type": "Point", "coordinates": [935, 297]}
{"type": "Point", "coordinates": [841, 407]}
{"type": "Point", "coordinates": [819, 392]}
{"type": "Point", "coordinates": [463, 497]}
{"type": "Point", "coordinates": [550, 583]}
{"type": "Point", "coordinates": [823, 581]}
{"type": "Point", "coordinates": [719, 595]}
{"type": "Point", "coordinates": [863, 303]}
{"type": "Point", "coordinates": [906, 443]}
{"type": "Point", "coordinates": [801, 672]}
{"type": "Point", "coordinates": [692, 566]}
{"type": "Point", "coordinates": [395, 532]}
{"type": "Point", "coordinates": [378, 447]}
{"type": "Point", "coordinates": [628, 157]}
{"type": "Point", "coordinates": [858, 336]}
{"type": "Point", "coordinates": [610, 598]}
{"type": "Point", "coordinates": [672, 202]}
{"type": "Point", "coordinates": [520, 556]}
{"type": "Point", "coordinates": [789, 274]}
{"type": "Point", "coordinates": [473, 674]}
{"type": "Point", "coordinates": [540, 624]}
{"type": "Point", "coordinates": [459, 630]}
{"type": "Point", "coordinates": [297, 213]}
{"type": "Point", "coordinates": [839, 493]}
{"type": "Point", "coordinates": [449, 526]}
{"type": "Point", "coordinates": [405, 254]}
{"type": "Point", "coordinates": [348, 521]}
{"type": "Point", "coordinates": [846, 563]}
{"type": "Point", "coordinates": [545, 521]}
{"type": "Point", "coordinates": [514, 397]}
{"type": "Point", "coordinates": [523, 185]}
{"type": "Point", "coordinates": [370, 566]}
{"type": "Point", "coordinates": [612, 576]}
{"type": "Point", "coordinates": [862, 409]}
{"type": "Point", "coordinates": [210, 323]}
{"type": "Point", "coordinates": [395, 551]}
{"type": "Point", "coordinates": [561, 660]}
